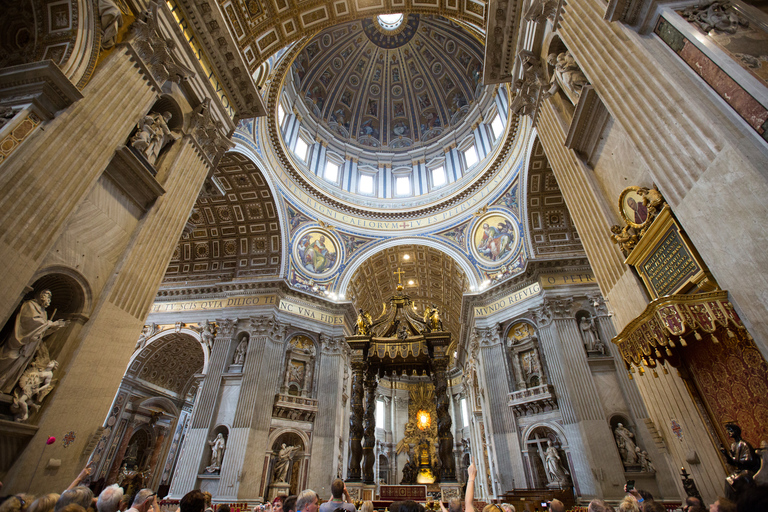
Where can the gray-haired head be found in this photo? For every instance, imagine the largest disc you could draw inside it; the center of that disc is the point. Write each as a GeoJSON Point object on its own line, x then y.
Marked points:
{"type": "Point", "coordinates": [306, 497]}
{"type": "Point", "coordinates": [80, 495]}
{"type": "Point", "coordinates": [109, 499]}
{"type": "Point", "coordinates": [142, 496]}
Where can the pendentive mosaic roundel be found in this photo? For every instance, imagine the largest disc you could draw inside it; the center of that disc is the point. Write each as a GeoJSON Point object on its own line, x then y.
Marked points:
{"type": "Point", "coordinates": [495, 238]}
{"type": "Point", "coordinates": [316, 253]}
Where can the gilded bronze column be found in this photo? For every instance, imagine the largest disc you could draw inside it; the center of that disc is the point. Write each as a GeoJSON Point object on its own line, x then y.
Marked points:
{"type": "Point", "coordinates": [444, 434]}
{"type": "Point", "coordinates": [356, 422]}
{"type": "Point", "coordinates": [369, 439]}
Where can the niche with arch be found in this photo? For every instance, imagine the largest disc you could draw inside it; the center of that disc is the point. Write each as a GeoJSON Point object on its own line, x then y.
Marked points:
{"type": "Point", "coordinates": [237, 352]}
{"type": "Point", "coordinates": [383, 469]}
{"type": "Point", "coordinates": [299, 367]}
{"type": "Point", "coordinates": [70, 300]}
{"type": "Point", "coordinates": [289, 470]}
{"type": "Point", "coordinates": [209, 466]}
{"type": "Point", "coordinates": [525, 357]}
{"type": "Point", "coordinates": [545, 470]}
{"type": "Point", "coordinates": [590, 334]}
{"type": "Point", "coordinates": [625, 437]}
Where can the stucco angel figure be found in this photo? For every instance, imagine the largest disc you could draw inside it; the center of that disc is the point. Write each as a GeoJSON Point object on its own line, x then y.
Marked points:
{"type": "Point", "coordinates": [567, 75]}
{"type": "Point", "coordinates": [218, 445]}
{"type": "Point", "coordinates": [26, 339]}
{"type": "Point", "coordinates": [152, 135]}
{"type": "Point", "coordinates": [142, 341]}
{"type": "Point", "coordinates": [111, 20]}
{"type": "Point", "coordinates": [283, 463]}
{"type": "Point", "coordinates": [34, 386]}
{"type": "Point", "coordinates": [625, 442]}
{"type": "Point", "coordinates": [207, 334]}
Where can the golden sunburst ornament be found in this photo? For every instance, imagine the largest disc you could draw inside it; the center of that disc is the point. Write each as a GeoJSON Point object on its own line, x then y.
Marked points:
{"type": "Point", "coordinates": [423, 420]}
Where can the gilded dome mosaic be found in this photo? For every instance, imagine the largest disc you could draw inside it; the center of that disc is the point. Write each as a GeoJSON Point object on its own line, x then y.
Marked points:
{"type": "Point", "coordinates": [395, 88]}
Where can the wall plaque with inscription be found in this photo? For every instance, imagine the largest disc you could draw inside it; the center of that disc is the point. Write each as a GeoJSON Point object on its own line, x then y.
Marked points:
{"type": "Point", "coordinates": [667, 261]}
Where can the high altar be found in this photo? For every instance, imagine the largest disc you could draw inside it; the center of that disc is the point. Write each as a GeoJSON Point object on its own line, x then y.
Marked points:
{"type": "Point", "coordinates": [400, 343]}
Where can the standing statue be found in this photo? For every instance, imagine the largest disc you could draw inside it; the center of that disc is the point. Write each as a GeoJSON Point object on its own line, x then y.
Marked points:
{"type": "Point", "coordinates": [556, 473]}
{"type": "Point", "coordinates": [20, 347]}
{"type": "Point", "coordinates": [218, 445]}
{"type": "Point", "coordinates": [741, 456]}
{"type": "Point", "coordinates": [589, 333]}
{"type": "Point", "coordinates": [111, 20]}
{"type": "Point", "coordinates": [626, 444]}
{"type": "Point", "coordinates": [152, 135]}
{"type": "Point", "coordinates": [644, 461]}
{"type": "Point", "coordinates": [240, 352]}
{"type": "Point", "coordinates": [34, 386]}
{"type": "Point", "coordinates": [284, 458]}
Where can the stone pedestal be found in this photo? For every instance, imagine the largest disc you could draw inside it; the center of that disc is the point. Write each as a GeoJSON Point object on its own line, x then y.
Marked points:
{"type": "Point", "coordinates": [278, 489]}
{"type": "Point", "coordinates": [235, 368]}
{"type": "Point", "coordinates": [362, 492]}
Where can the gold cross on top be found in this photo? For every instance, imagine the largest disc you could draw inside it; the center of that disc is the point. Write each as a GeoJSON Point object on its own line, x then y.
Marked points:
{"type": "Point", "coordinates": [399, 272]}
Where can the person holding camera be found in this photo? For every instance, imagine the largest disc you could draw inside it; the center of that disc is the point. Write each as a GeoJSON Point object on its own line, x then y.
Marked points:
{"type": "Point", "coordinates": [339, 498]}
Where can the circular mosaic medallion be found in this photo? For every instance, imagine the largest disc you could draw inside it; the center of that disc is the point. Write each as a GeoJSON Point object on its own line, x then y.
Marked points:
{"type": "Point", "coordinates": [437, 68]}
{"type": "Point", "coordinates": [418, 83]}
{"type": "Point", "coordinates": [633, 208]}
{"type": "Point", "coordinates": [495, 238]}
{"type": "Point", "coordinates": [375, 90]}
{"type": "Point", "coordinates": [316, 252]}
{"type": "Point", "coordinates": [397, 90]}
{"type": "Point", "coordinates": [337, 63]}
{"type": "Point", "coordinates": [327, 40]}
{"type": "Point", "coordinates": [450, 46]}
{"type": "Point", "coordinates": [354, 80]}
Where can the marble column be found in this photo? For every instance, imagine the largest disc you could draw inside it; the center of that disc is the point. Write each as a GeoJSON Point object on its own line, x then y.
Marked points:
{"type": "Point", "coordinates": [356, 420]}
{"type": "Point", "coordinates": [188, 466]}
{"type": "Point", "coordinates": [369, 437]}
{"type": "Point", "coordinates": [444, 423]}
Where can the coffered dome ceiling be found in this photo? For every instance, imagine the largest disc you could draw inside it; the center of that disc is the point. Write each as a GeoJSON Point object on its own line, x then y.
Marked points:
{"type": "Point", "coordinates": [399, 89]}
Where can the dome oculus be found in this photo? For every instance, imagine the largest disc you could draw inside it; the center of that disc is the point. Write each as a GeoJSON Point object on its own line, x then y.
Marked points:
{"type": "Point", "coordinates": [390, 21]}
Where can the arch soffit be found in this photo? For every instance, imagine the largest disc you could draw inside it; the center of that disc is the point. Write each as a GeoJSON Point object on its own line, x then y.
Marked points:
{"type": "Point", "coordinates": [289, 430]}
{"type": "Point", "coordinates": [162, 402]}
{"type": "Point", "coordinates": [277, 196]}
{"type": "Point", "coordinates": [156, 343]}
{"type": "Point", "coordinates": [551, 426]}
{"type": "Point", "coordinates": [527, 236]}
{"type": "Point", "coordinates": [457, 256]}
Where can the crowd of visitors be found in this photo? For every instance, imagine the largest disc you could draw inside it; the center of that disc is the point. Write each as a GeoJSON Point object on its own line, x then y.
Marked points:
{"type": "Point", "coordinates": [79, 498]}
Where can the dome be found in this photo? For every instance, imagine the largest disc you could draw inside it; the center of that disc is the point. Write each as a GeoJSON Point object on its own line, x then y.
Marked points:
{"type": "Point", "coordinates": [397, 84]}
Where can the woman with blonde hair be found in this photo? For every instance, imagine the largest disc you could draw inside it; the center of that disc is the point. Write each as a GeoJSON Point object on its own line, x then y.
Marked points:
{"type": "Point", "coordinates": [44, 503]}
{"type": "Point", "coordinates": [629, 504]}
{"type": "Point", "coordinates": [367, 506]}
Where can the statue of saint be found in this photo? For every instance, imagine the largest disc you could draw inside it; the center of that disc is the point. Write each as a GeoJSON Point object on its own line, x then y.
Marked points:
{"type": "Point", "coordinates": [588, 333]}
{"type": "Point", "coordinates": [20, 347]}
{"type": "Point", "coordinates": [111, 20]}
{"type": "Point", "coordinates": [218, 445]}
{"type": "Point", "coordinates": [240, 352]}
{"type": "Point", "coordinates": [741, 456]}
{"type": "Point", "coordinates": [626, 444]}
{"type": "Point", "coordinates": [207, 335]}
{"type": "Point", "coordinates": [283, 463]}
{"type": "Point", "coordinates": [363, 325]}
{"type": "Point", "coordinates": [142, 341]}
{"type": "Point", "coordinates": [556, 473]}
{"type": "Point", "coordinates": [152, 135]}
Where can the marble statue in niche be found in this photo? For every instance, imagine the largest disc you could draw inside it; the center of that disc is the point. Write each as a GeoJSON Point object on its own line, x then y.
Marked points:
{"type": "Point", "coordinates": [644, 461]}
{"type": "Point", "coordinates": [625, 441]}
{"type": "Point", "coordinates": [152, 135]}
{"type": "Point", "coordinates": [283, 463]}
{"type": "Point", "coordinates": [207, 334]}
{"type": "Point", "coordinates": [240, 352]}
{"type": "Point", "coordinates": [218, 445]}
{"type": "Point", "coordinates": [556, 473]}
{"type": "Point", "coordinates": [25, 342]}
{"type": "Point", "coordinates": [590, 336]}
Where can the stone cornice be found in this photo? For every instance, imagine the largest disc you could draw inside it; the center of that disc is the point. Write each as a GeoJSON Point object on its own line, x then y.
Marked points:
{"type": "Point", "coordinates": [210, 26]}
{"type": "Point", "coordinates": [39, 84]}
